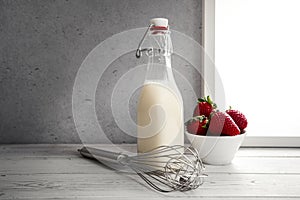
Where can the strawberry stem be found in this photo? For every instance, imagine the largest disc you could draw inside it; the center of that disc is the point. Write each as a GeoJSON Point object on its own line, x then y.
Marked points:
{"type": "Point", "coordinates": [209, 100]}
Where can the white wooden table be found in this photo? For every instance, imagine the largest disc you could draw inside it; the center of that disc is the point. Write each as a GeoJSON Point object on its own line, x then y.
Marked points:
{"type": "Point", "coordinates": [59, 172]}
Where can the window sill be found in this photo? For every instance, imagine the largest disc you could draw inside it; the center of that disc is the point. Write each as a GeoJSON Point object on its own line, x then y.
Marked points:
{"type": "Point", "coordinates": [271, 141]}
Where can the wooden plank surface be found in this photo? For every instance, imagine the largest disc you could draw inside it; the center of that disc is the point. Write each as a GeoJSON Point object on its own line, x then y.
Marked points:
{"type": "Point", "coordinates": [58, 172]}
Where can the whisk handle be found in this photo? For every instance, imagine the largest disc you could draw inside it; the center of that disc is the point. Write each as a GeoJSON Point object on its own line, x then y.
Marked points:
{"type": "Point", "coordinates": [100, 154]}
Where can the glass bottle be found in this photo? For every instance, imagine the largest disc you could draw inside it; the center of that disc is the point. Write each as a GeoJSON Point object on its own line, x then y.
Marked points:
{"type": "Point", "coordinates": [160, 106]}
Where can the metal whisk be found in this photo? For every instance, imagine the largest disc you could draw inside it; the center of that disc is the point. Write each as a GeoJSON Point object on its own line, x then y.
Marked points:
{"type": "Point", "coordinates": [166, 168]}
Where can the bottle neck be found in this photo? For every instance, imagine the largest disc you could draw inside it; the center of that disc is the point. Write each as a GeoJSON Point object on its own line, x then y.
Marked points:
{"type": "Point", "coordinates": [159, 63]}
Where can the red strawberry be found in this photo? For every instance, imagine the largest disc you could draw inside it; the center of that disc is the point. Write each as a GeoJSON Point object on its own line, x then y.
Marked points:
{"type": "Point", "coordinates": [197, 125]}
{"type": "Point", "coordinates": [205, 107]}
{"type": "Point", "coordinates": [222, 123]}
{"type": "Point", "coordinates": [238, 117]}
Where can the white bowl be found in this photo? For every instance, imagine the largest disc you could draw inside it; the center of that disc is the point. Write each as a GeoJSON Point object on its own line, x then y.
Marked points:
{"type": "Point", "coordinates": [216, 150]}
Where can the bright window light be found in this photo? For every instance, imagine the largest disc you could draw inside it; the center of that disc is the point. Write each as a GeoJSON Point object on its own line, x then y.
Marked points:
{"type": "Point", "coordinates": [257, 53]}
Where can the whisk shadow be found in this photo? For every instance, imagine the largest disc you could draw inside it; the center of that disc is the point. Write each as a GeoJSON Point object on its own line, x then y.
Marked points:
{"type": "Point", "coordinates": [134, 177]}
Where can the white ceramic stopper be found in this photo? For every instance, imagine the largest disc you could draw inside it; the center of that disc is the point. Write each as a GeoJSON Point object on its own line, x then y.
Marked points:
{"type": "Point", "coordinates": [159, 22]}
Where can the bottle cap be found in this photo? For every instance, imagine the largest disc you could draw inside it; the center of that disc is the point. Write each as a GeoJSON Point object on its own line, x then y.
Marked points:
{"type": "Point", "coordinates": [160, 22]}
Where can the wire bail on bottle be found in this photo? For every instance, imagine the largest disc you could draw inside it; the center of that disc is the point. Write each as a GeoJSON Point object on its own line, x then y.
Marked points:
{"type": "Point", "coordinates": [159, 50]}
{"type": "Point", "coordinates": [139, 50]}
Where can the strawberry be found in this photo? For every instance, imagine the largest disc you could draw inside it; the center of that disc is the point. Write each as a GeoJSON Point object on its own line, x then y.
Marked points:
{"type": "Point", "coordinates": [222, 123]}
{"type": "Point", "coordinates": [197, 125]}
{"type": "Point", "coordinates": [204, 107]}
{"type": "Point", "coordinates": [238, 117]}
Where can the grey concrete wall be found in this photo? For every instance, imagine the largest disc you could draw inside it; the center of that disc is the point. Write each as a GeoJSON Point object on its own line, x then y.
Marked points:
{"type": "Point", "coordinates": [42, 45]}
